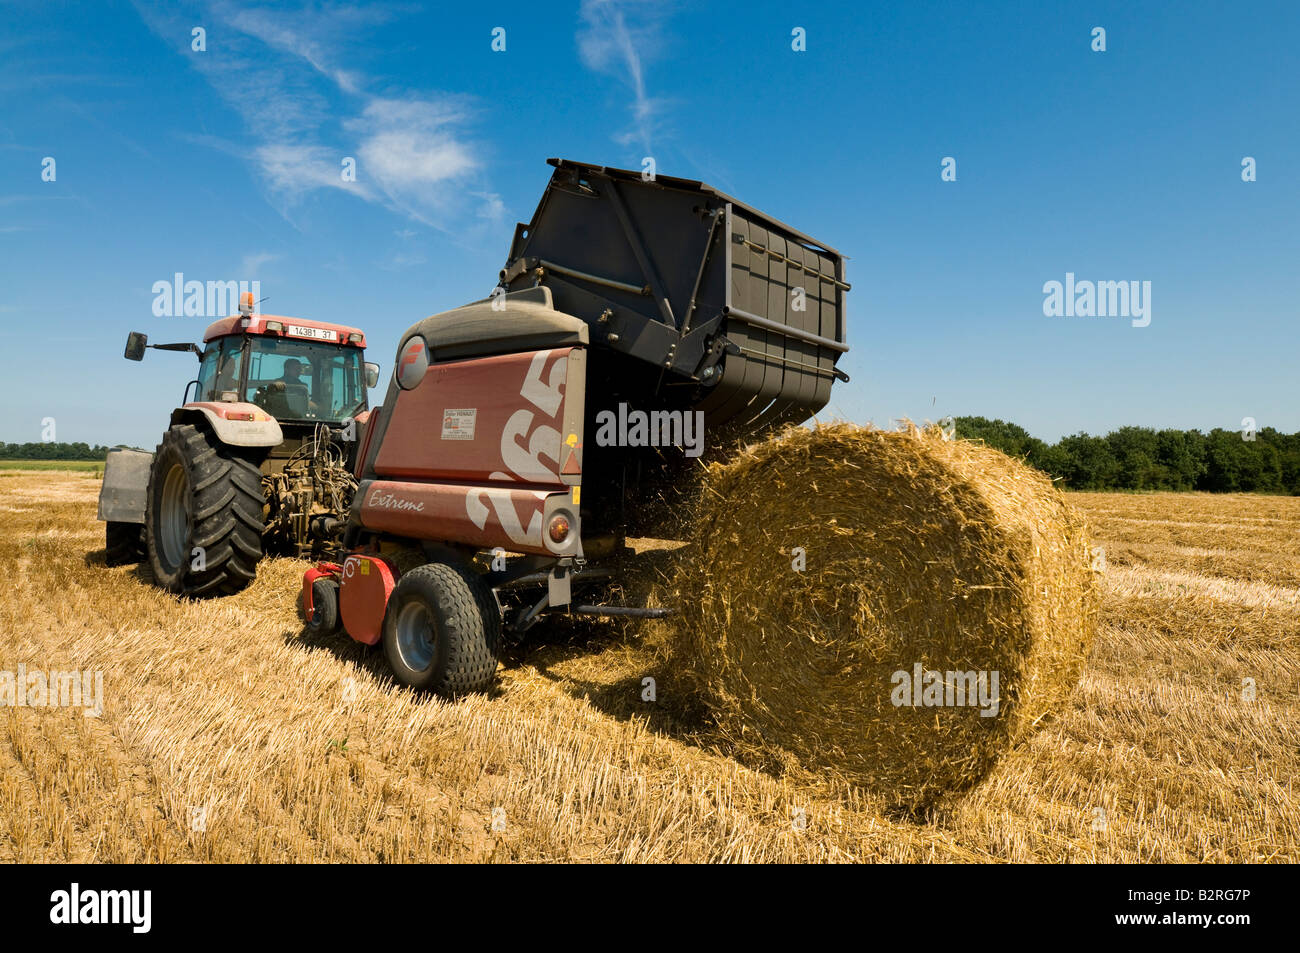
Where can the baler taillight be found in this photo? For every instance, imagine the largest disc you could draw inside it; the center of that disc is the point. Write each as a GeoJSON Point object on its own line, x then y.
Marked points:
{"type": "Point", "coordinates": [559, 529]}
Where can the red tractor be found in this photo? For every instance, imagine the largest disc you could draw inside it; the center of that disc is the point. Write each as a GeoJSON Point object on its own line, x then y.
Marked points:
{"type": "Point", "coordinates": [525, 436]}
{"type": "Point", "coordinates": [258, 461]}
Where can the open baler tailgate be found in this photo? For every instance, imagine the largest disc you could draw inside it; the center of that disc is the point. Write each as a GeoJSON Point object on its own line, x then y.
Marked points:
{"type": "Point", "coordinates": [745, 309]}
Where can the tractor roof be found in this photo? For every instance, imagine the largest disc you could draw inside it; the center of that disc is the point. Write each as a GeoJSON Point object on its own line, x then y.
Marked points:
{"type": "Point", "coordinates": [300, 328]}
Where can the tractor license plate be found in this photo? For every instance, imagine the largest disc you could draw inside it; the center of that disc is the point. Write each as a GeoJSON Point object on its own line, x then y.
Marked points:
{"type": "Point", "coordinates": [320, 334]}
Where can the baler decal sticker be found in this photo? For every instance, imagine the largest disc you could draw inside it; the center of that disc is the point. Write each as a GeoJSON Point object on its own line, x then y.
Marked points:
{"type": "Point", "coordinates": [458, 424]}
{"type": "Point", "coordinates": [390, 501]}
{"type": "Point", "coordinates": [414, 363]}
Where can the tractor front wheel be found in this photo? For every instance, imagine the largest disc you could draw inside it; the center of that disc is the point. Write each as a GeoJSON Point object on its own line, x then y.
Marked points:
{"type": "Point", "coordinates": [203, 520]}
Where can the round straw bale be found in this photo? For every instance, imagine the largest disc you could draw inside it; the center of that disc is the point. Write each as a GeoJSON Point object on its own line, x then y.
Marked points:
{"type": "Point", "coordinates": [887, 605]}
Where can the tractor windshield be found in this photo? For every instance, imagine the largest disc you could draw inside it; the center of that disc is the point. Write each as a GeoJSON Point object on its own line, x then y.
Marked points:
{"type": "Point", "coordinates": [219, 370]}
{"type": "Point", "coordinates": [303, 380]}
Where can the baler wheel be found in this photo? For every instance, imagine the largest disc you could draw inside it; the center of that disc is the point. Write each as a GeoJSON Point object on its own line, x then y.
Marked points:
{"type": "Point", "coordinates": [324, 618]}
{"type": "Point", "coordinates": [203, 521]}
{"type": "Point", "coordinates": [442, 630]}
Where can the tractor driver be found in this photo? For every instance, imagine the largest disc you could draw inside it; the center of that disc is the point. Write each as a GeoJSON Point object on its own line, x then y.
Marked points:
{"type": "Point", "coordinates": [295, 389]}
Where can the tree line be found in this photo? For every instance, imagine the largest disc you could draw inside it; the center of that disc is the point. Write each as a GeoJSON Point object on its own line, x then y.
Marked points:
{"type": "Point", "coordinates": [52, 451]}
{"type": "Point", "coordinates": [1142, 458]}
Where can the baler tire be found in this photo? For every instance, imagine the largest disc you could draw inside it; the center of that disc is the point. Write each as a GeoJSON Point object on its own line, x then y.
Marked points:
{"type": "Point", "coordinates": [124, 544]}
{"type": "Point", "coordinates": [220, 488]}
{"type": "Point", "coordinates": [324, 618]}
{"type": "Point", "coordinates": [456, 609]}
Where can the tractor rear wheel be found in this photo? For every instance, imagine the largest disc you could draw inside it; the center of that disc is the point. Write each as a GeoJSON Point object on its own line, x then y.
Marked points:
{"type": "Point", "coordinates": [442, 630]}
{"type": "Point", "coordinates": [203, 520]}
{"type": "Point", "coordinates": [124, 544]}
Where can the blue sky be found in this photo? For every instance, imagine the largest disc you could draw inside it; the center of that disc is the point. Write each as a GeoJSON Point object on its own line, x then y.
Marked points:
{"type": "Point", "coordinates": [224, 164]}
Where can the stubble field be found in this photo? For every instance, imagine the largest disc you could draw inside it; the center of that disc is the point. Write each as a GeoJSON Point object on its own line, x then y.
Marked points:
{"type": "Point", "coordinates": [227, 734]}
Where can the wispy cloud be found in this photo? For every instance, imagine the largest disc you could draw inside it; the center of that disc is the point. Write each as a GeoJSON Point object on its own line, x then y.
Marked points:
{"type": "Point", "coordinates": [278, 68]}
{"type": "Point", "coordinates": [413, 151]}
{"type": "Point", "coordinates": [402, 261]}
{"type": "Point", "coordinates": [616, 38]}
{"type": "Point", "coordinates": [293, 169]}
{"type": "Point", "coordinates": [251, 265]}
{"type": "Point", "coordinates": [290, 37]}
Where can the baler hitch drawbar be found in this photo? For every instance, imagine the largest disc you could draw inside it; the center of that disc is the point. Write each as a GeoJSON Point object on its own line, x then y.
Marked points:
{"type": "Point", "coordinates": [525, 620]}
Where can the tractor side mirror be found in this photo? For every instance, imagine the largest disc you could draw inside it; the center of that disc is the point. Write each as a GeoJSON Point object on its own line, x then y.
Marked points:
{"type": "Point", "coordinates": [135, 345]}
{"type": "Point", "coordinates": [372, 374]}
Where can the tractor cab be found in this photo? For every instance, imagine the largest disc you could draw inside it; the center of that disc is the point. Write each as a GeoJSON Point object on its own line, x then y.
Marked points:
{"type": "Point", "coordinates": [257, 459]}
{"type": "Point", "coordinates": [300, 372]}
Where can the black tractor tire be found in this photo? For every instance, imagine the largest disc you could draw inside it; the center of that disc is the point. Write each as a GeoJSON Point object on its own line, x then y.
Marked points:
{"type": "Point", "coordinates": [208, 496]}
{"type": "Point", "coordinates": [124, 544]}
{"type": "Point", "coordinates": [442, 630]}
{"type": "Point", "coordinates": [324, 618]}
